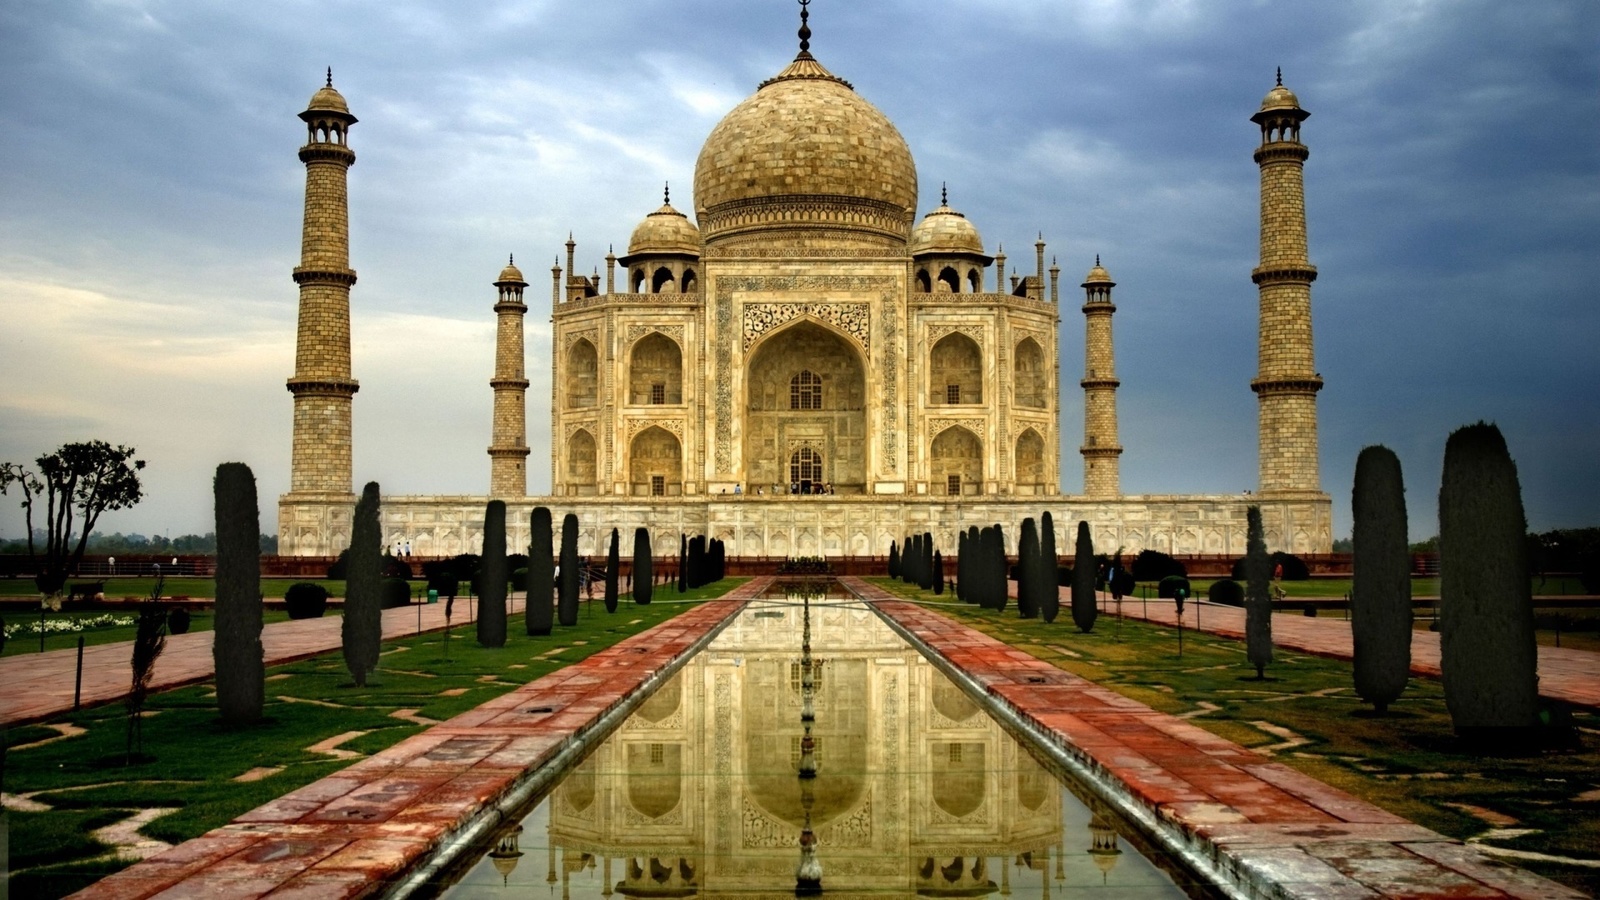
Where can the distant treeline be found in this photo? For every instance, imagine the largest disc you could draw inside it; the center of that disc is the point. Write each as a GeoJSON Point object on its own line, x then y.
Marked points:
{"type": "Point", "coordinates": [112, 544]}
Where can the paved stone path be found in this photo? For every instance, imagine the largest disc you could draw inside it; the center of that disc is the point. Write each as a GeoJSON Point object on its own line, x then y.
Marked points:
{"type": "Point", "coordinates": [1572, 676]}
{"type": "Point", "coordinates": [1270, 830]}
{"type": "Point", "coordinates": [369, 824]}
{"type": "Point", "coordinates": [39, 685]}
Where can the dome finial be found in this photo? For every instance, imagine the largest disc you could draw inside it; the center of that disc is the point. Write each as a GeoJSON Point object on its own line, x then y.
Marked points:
{"type": "Point", "coordinates": [944, 193]}
{"type": "Point", "coordinates": [330, 76]}
{"type": "Point", "coordinates": [1280, 76]}
{"type": "Point", "coordinates": [1097, 259]}
{"type": "Point", "coordinates": [805, 28]}
{"type": "Point", "coordinates": [511, 259]}
{"type": "Point", "coordinates": [666, 194]}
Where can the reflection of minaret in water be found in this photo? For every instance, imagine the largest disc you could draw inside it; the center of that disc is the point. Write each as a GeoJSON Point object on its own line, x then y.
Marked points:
{"type": "Point", "coordinates": [505, 854]}
{"type": "Point", "coordinates": [1103, 849]}
{"type": "Point", "coordinates": [808, 874]}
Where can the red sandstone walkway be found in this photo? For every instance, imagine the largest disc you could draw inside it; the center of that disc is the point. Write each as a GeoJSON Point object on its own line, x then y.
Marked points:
{"type": "Point", "coordinates": [1266, 828]}
{"type": "Point", "coordinates": [39, 685]}
{"type": "Point", "coordinates": [365, 826]}
{"type": "Point", "coordinates": [1571, 676]}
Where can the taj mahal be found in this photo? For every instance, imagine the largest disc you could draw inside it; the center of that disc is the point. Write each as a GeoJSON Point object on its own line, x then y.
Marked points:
{"type": "Point", "coordinates": [796, 363]}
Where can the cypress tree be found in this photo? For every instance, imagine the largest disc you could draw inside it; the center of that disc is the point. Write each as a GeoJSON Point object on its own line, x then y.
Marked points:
{"type": "Point", "coordinates": [697, 561]}
{"type": "Point", "coordinates": [1487, 651]}
{"type": "Point", "coordinates": [539, 612]}
{"type": "Point", "coordinates": [1380, 591]}
{"type": "Point", "coordinates": [236, 648]}
{"type": "Point", "coordinates": [567, 609]}
{"type": "Point", "coordinates": [683, 562]}
{"type": "Point", "coordinates": [1050, 596]}
{"type": "Point", "coordinates": [643, 574]}
{"type": "Point", "coordinates": [612, 564]}
{"type": "Point", "coordinates": [975, 564]}
{"type": "Point", "coordinates": [1257, 594]}
{"type": "Point", "coordinates": [1002, 567]}
{"type": "Point", "coordinates": [361, 625]}
{"type": "Point", "coordinates": [938, 568]}
{"type": "Point", "coordinates": [492, 577]}
{"type": "Point", "coordinates": [894, 559]}
{"type": "Point", "coordinates": [1028, 570]}
{"type": "Point", "coordinates": [1084, 608]}
{"type": "Point", "coordinates": [908, 560]}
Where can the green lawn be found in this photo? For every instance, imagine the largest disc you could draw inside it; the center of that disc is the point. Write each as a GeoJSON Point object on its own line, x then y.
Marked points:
{"type": "Point", "coordinates": [195, 759]}
{"type": "Point", "coordinates": [1408, 762]}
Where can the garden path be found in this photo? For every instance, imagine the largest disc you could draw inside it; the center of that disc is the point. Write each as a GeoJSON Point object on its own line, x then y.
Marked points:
{"type": "Point", "coordinates": [40, 685]}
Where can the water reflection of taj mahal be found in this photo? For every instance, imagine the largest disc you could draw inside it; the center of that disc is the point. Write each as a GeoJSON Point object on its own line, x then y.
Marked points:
{"type": "Point", "coordinates": [918, 792]}
{"type": "Point", "coordinates": [804, 327]}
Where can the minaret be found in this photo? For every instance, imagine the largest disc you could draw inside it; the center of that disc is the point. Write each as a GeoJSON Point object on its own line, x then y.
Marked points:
{"type": "Point", "coordinates": [508, 448]}
{"type": "Point", "coordinates": [322, 386]}
{"type": "Point", "coordinates": [1101, 477]}
{"type": "Point", "coordinates": [1287, 381]}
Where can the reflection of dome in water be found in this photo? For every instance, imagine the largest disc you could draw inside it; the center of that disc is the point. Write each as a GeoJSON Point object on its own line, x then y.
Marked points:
{"type": "Point", "coordinates": [805, 151]}
{"type": "Point", "coordinates": [774, 732]}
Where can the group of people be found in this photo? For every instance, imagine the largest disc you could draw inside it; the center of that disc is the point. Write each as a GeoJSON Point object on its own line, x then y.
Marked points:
{"type": "Point", "coordinates": [795, 487]}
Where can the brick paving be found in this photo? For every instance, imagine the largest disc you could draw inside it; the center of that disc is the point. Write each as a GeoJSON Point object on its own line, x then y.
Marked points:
{"type": "Point", "coordinates": [349, 834]}
{"type": "Point", "coordinates": [1272, 831]}
{"type": "Point", "coordinates": [1571, 676]}
{"type": "Point", "coordinates": [39, 685]}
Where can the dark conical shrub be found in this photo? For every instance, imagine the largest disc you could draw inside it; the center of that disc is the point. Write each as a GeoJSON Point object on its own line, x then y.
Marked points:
{"type": "Point", "coordinates": [571, 570]}
{"type": "Point", "coordinates": [643, 572]}
{"type": "Point", "coordinates": [938, 568]}
{"type": "Point", "coordinates": [996, 575]}
{"type": "Point", "coordinates": [962, 555]}
{"type": "Point", "coordinates": [493, 577]}
{"type": "Point", "coordinates": [1049, 565]}
{"type": "Point", "coordinates": [613, 563]}
{"type": "Point", "coordinates": [975, 565]}
{"type": "Point", "coordinates": [236, 648]}
{"type": "Point", "coordinates": [1084, 608]}
{"type": "Point", "coordinates": [908, 560]}
{"type": "Point", "coordinates": [361, 625]}
{"type": "Point", "coordinates": [1487, 652]}
{"type": "Point", "coordinates": [1257, 594]}
{"type": "Point", "coordinates": [894, 559]}
{"type": "Point", "coordinates": [1380, 591]}
{"type": "Point", "coordinates": [1028, 570]}
{"type": "Point", "coordinates": [538, 613]}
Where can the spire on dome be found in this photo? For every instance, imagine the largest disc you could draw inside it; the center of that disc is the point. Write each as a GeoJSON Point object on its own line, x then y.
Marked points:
{"type": "Point", "coordinates": [1280, 76]}
{"type": "Point", "coordinates": [666, 194]}
{"type": "Point", "coordinates": [511, 259]}
{"type": "Point", "coordinates": [805, 29]}
{"type": "Point", "coordinates": [330, 76]}
{"type": "Point", "coordinates": [944, 193]}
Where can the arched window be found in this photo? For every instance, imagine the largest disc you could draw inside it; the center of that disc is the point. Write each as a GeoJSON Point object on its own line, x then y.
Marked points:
{"type": "Point", "coordinates": [950, 281]}
{"type": "Point", "coordinates": [689, 283]}
{"type": "Point", "coordinates": [974, 281]}
{"type": "Point", "coordinates": [805, 391]}
{"type": "Point", "coordinates": [662, 282]}
{"type": "Point", "coordinates": [805, 466]}
{"type": "Point", "coordinates": [924, 283]}
{"type": "Point", "coordinates": [636, 278]}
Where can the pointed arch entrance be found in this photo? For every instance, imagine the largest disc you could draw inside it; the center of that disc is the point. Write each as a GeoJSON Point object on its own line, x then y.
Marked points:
{"type": "Point", "coordinates": [805, 411]}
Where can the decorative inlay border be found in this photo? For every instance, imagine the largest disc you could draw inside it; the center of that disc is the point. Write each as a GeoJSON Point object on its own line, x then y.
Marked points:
{"type": "Point", "coordinates": [635, 332]}
{"type": "Point", "coordinates": [978, 333]}
{"type": "Point", "coordinates": [854, 319]}
{"type": "Point", "coordinates": [672, 426]}
{"type": "Point", "coordinates": [976, 426]}
{"type": "Point", "coordinates": [592, 335]}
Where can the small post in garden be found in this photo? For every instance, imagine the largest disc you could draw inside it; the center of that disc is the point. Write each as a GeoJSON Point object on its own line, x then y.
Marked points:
{"type": "Point", "coordinates": [77, 685]}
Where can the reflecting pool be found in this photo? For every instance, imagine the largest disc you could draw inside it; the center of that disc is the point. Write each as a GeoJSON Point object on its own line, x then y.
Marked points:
{"type": "Point", "coordinates": [916, 792]}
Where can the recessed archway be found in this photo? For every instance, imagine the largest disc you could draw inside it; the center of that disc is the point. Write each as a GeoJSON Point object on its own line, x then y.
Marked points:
{"type": "Point", "coordinates": [956, 462]}
{"type": "Point", "coordinates": [583, 375]}
{"type": "Point", "coordinates": [805, 387]}
{"type": "Point", "coordinates": [655, 372]}
{"type": "Point", "coordinates": [581, 462]}
{"type": "Point", "coordinates": [1030, 377]}
{"type": "Point", "coordinates": [955, 371]}
{"type": "Point", "coordinates": [1030, 466]}
{"type": "Point", "coordinates": [655, 464]}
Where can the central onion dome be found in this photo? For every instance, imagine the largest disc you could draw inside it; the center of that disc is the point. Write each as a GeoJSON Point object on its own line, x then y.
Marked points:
{"type": "Point", "coordinates": [806, 154]}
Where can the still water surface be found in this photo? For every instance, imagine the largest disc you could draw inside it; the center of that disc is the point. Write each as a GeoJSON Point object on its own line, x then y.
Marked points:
{"type": "Point", "coordinates": [917, 791]}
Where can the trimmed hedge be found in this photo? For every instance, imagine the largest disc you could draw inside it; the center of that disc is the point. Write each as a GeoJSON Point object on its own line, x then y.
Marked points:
{"type": "Point", "coordinates": [1168, 588]}
{"type": "Point", "coordinates": [1153, 565]}
{"type": "Point", "coordinates": [394, 593]}
{"type": "Point", "coordinates": [306, 600]}
{"type": "Point", "coordinates": [1226, 592]}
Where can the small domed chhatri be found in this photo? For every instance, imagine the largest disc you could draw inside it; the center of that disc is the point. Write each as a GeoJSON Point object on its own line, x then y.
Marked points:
{"type": "Point", "coordinates": [1098, 275]}
{"type": "Point", "coordinates": [510, 274]}
{"type": "Point", "coordinates": [945, 231]}
{"type": "Point", "coordinates": [1279, 97]}
{"type": "Point", "coordinates": [665, 231]}
{"type": "Point", "coordinates": [326, 99]}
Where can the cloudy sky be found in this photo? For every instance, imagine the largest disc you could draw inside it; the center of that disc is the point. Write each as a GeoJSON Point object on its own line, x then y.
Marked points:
{"type": "Point", "coordinates": [150, 201]}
